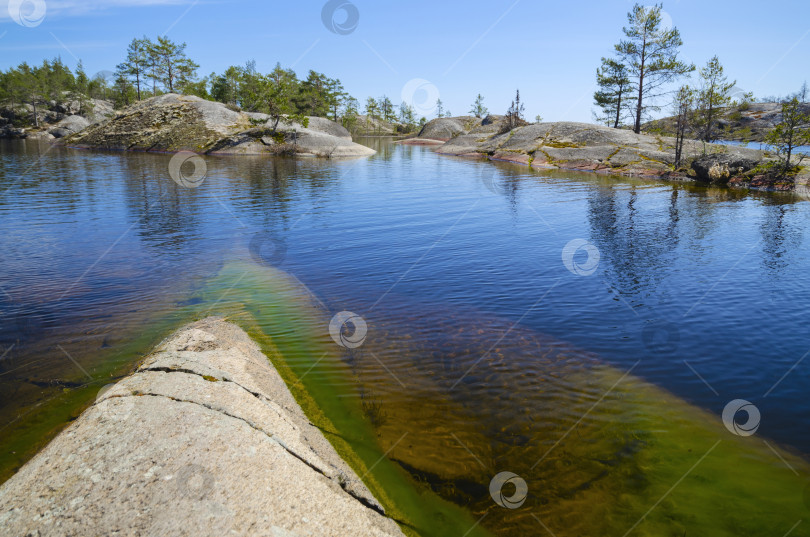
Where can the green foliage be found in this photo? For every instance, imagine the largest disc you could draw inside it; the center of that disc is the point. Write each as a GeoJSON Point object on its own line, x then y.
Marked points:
{"type": "Point", "coordinates": [50, 84]}
{"type": "Point", "coordinates": [514, 114]}
{"type": "Point", "coordinates": [615, 94]}
{"type": "Point", "coordinates": [439, 108]}
{"type": "Point", "coordinates": [407, 116]}
{"type": "Point", "coordinates": [478, 109]}
{"type": "Point", "coordinates": [650, 54]}
{"type": "Point", "coordinates": [683, 105]}
{"type": "Point", "coordinates": [135, 66]}
{"type": "Point", "coordinates": [153, 67]}
{"type": "Point", "coordinates": [714, 94]}
{"type": "Point", "coordinates": [792, 132]}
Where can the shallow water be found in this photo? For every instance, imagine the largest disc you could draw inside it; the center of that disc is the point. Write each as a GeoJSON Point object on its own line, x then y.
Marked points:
{"type": "Point", "coordinates": [484, 353]}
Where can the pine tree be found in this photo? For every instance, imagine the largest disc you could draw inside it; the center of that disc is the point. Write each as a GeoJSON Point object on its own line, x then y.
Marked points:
{"type": "Point", "coordinates": [714, 94]}
{"type": "Point", "coordinates": [650, 53]}
{"type": "Point", "coordinates": [615, 94]}
{"type": "Point", "coordinates": [792, 132]}
{"type": "Point", "coordinates": [684, 110]}
{"type": "Point", "coordinates": [478, 109]}
{"type": "Point", "coordinates": [136, 63]}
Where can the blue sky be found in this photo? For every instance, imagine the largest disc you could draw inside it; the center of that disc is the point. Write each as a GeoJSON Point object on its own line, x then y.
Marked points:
{"type": "Point", "coordinates": [549, 50]}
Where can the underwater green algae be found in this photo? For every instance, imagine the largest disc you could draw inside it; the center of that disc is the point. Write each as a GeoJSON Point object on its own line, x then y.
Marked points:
{"type": "Point", "coordinates": [293, 332]}
{"type": "Point", "coordinates": [602, 452]}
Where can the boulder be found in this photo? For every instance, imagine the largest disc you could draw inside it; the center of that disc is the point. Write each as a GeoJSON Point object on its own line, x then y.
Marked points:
{"type": "Point", "coordinates": [372, 126]}
{"type": "Point", "coordinates": [58, 132]}
{"type": "Point", "coordinates": [42, 135]}
{"type": "Point", "coordinates": [203, 439]}
{"type": "Point", "coordinates": [325, 126]}
{"type": "Point", "coordinates": [720, 167]}
{"type": "Point", "coordinates": [69, 125]}
{"type": "Point", "coordinates": [446, 128]}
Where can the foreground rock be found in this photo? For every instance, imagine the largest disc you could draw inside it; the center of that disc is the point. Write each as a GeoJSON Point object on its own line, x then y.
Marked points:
{"type": "Point", "coordinates": [594, 148]}
{"type": "Point", "coordinates": [171, 123]}
{"type": "Point", "coordinates": [204, 439]}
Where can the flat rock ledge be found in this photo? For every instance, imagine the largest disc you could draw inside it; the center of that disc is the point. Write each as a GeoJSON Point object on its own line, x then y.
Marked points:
{"type": "Point", "coordinates": [203, 439]}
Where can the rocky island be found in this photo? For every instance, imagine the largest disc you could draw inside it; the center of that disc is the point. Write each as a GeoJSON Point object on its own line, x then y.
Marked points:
{"type": "Point", "coordinates": [171, 123]}
{"type": "Point", "coordinates": [600, 149]}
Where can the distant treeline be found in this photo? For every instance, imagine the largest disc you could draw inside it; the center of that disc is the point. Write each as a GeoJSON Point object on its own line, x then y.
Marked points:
{"type": "Point", "coordinates": [152, 68]}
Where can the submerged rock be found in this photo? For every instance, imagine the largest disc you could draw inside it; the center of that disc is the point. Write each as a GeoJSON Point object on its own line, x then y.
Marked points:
{"type": "Point", "coordinates": [204, 439]}
{"type": "Point", "coordinates": [171, 123]}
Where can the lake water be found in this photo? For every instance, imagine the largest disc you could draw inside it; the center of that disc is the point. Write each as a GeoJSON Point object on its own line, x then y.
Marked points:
{"type": "Point", "coordinates": [761, 146]}
{"type": "Point", "coordinates": [583, 332]}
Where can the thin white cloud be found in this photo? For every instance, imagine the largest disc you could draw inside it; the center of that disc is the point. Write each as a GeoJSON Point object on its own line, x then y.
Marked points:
{"type": "Point", "coordinates": [72, 8]}
{"type": "Point", "coordinates": [56, 46]}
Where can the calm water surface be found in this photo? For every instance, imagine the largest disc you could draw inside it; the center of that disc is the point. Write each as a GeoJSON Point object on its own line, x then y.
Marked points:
{"type": "Point", "coordinates": [484, 352]}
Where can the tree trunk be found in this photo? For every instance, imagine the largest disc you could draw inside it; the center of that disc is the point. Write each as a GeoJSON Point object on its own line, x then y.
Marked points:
{"type": "Point", "coordinates": [618, 108]}
{"type": "Point", "coordinates": [641, 73]}
{"type": "Point", "coordinates": [36, 117]}
{"type": "Point", "coordinates": [637, 128]}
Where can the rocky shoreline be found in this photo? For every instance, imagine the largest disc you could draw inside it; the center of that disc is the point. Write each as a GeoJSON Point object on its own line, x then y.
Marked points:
{"type": "Point", "coordinates": [593, 148]}
{"type": "Point", "coordinates": [203, 439]}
